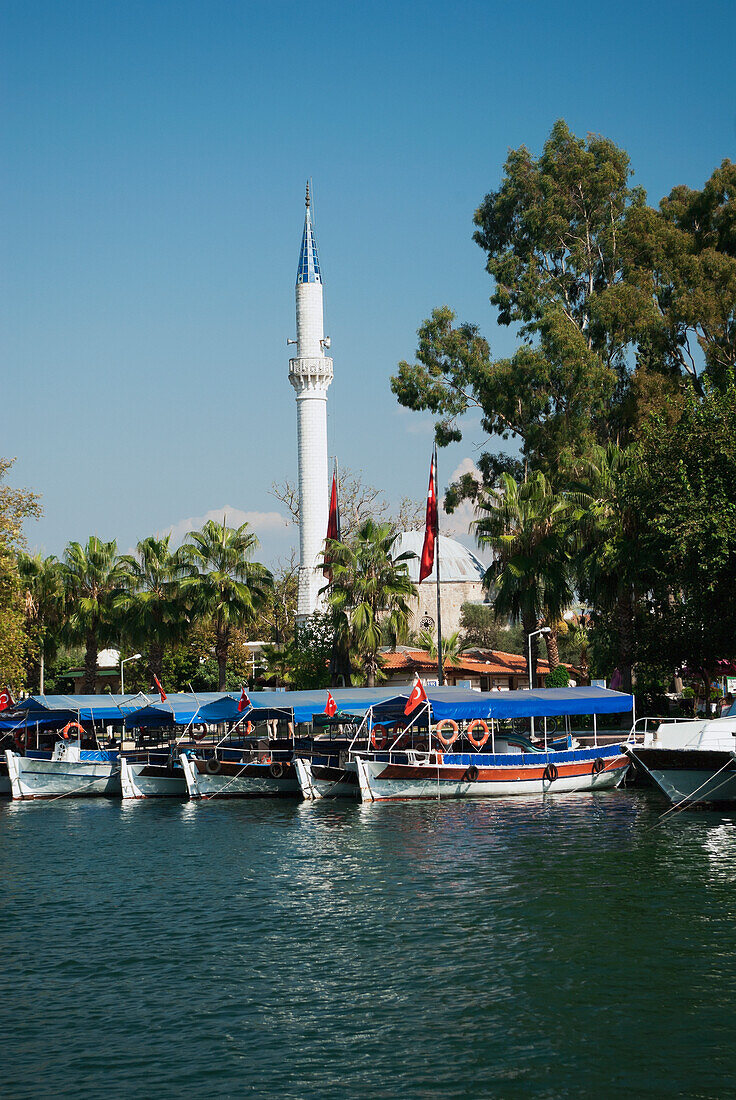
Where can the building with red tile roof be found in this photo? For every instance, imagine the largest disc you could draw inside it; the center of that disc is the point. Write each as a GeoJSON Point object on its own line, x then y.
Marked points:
{"type": "Point", "coordinates": [485, 670]}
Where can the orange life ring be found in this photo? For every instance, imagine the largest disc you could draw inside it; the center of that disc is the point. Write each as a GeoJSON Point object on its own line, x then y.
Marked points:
{"type": "Point", "coordinates": [384, 737]}
{"type": "Point", "coordinates": [199, 736]}
{"type": "Point", "coordinates": [71, 726]}
{"type": "Point", "coordinates": [400, 735]}
{"type": "Point", "coordinates": [443, 725]}
{"type": "Point", "coordinates": [476, 724]}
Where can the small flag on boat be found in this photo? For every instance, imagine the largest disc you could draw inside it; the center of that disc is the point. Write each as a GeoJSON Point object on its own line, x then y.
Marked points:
{"type": "Point", "coordinates": [333, 524]}
{"type": "Point", "coordinates": [161, 691]}
{"type": "Point", "coordinates": [430, 526]}
{"type": "Point", "coordinates": [243, 701]}
{"type": "Point", "coordinates": [418, 695]}
{"type": "Point", "coordinates": [6, 700]}
{"type": "Point", "coordinates": [331, 707]}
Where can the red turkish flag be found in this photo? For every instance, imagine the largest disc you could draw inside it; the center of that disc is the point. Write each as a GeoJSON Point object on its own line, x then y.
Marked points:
{"type": "Point", "coordinates": [418, 695]}
{"type": "Point", "coordinates": [430, 528]}
{"type": "Point", "coordinates": [243, 701]}
{"type": "Point", "coordinates": [331, 707]}
{"type": "Point", "coordinates": [161, 691]}
{"type": "Point", "coordinates": [333, 525]}
{"type": "Point", "coordinates": [6, 700]}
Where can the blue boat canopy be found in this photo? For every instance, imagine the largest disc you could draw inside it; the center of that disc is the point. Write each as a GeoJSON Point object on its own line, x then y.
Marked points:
{"type": "Point", "coordinates": [387, 703]}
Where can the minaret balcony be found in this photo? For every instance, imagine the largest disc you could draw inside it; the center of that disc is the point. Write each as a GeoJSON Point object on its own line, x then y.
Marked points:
{"type": "Point", "coordinates": [310, 373]}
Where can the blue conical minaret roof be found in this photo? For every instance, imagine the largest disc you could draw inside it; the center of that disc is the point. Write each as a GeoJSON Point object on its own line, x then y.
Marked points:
{"type": "Point", "coordinates": [308, 270]}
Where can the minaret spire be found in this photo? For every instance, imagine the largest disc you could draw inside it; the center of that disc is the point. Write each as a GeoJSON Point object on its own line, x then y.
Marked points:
{"type": "Point", "coordinates": [310, 373]}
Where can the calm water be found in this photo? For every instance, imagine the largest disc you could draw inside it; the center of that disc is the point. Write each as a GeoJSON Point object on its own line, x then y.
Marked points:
{"type": "Point", "coordinates": [550, 948]}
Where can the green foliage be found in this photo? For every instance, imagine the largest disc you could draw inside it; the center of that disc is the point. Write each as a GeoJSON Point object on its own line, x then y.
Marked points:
{"type": "Point", "coordinates": [558, 678]}
{"type": "Point", "coordinates": [482, 628]}
{"type": "Point", "coordinates": [153, 606]}
{"type": "Point", "coordinates": [94, 579]}
{"type": "Point", "coordinates": [16, 505]}
{"type": "Point", "coordinates": [222, 586]}
{"type": "Point", "coordinates": [368, 589]}
{"type": "Point", "coordinates": [527, 527]}
{"type": "Point", "coordinates": [681, 489]}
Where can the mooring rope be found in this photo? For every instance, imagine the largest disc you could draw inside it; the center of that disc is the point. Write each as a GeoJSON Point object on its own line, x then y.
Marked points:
{"type": "Point", "coordinates": [688, 801]}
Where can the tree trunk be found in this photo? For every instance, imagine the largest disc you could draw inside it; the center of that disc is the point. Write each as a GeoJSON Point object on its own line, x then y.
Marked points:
{"type": "Point", "coordinates": [530, 625]}
{"type": "Point", "coordinates": [156, 659]}
{"type": "Point", "coordinates": [553, 651]}
{"type": "Point", "coordinates": [222, 644]}
{"type": "Point", "coordinates": [90, 666]}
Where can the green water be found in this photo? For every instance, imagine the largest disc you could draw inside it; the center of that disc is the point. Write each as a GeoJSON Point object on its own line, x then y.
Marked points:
{"type": "Point", "coordinates": [547, 948]}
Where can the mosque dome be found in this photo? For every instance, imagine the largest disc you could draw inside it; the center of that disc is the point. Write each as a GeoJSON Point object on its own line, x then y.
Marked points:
{"type": "Point", "coordinates": [457, 563]}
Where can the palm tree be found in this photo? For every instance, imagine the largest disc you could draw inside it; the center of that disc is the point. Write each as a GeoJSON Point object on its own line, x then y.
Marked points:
{"type": "Point", "coordinates": [94, 579]}
{"type": "Point", "coordinates": [451, 646]}
{"type": "Point", "coordinates": [43, 593]}
{"type": "Point", "coordinates": [527, 526]}
{"type": "Point", "coordinates": [223, 586]}
{"type": "Point", "coordinates": [607, 556]}
{"type": "Point", "coordinates": [368, 592]}
{"type": "Point", "coordinates": [154, 613]}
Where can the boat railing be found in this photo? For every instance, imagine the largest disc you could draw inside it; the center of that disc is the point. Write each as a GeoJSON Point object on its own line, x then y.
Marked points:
{"type": "Point", "coordinates": [650, 724]}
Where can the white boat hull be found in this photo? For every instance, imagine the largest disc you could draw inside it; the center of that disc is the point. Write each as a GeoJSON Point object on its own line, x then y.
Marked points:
{"type": "Point", "coordinates": [491, 776]}
{"type": "Point", "coordinates": [319, 781]}
{"type": "Point", "coordinates": [235, 779]}
{"type": "Point", "coordinates": [31, 779]}
{"type": "Point", "coordinates": [144, 780]}
{"type": "Point", "coordinates": [702, 777]}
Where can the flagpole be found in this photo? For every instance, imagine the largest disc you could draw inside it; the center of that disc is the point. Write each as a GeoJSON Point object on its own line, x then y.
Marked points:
{"type": "Point", "coordinates": [440, 666]}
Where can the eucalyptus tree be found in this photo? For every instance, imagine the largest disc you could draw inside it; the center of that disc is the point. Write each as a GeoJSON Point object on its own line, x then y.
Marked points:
{"type": "Point", "coordinates": [369, 592]}
{"type": "Point", "coordinates": [94, 579]}
{"type": "Point", "coordinates": [526, 525]}
{"type": "Point", "coordinates": [221, 584]}
{"type": "Point", "coordinates": [154, 612]}
{"type": "Point", "coordinates": [42, 585]}
{"type": "Point", "coordinates": [553, 238]}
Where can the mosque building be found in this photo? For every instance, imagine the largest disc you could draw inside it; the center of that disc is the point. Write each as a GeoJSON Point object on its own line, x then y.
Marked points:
{"type": "Point", "coordinates": [310, 373]}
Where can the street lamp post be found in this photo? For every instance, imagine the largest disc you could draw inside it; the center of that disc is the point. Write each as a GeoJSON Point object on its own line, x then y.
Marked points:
{"type": "Point", "coordinates": [542, 630]}
{"type": "Point", "coordinates": [135, 657]}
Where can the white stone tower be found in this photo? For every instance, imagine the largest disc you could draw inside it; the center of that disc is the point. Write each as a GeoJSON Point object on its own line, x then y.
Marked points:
{"type": "Point", "coordinates": [310, 373]}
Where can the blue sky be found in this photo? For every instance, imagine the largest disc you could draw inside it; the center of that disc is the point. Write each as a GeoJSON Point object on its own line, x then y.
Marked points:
{"type": "Point", "coordinates": [152, 172]}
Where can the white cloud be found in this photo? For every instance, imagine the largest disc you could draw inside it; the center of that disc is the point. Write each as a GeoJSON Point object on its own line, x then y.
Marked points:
{"type": "Point", "coordinates": [458, 523]}
{"type": "Point", "coordinates": [263, 523]}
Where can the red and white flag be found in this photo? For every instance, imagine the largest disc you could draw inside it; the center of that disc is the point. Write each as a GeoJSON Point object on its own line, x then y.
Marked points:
{"type": "Point", "coordinates": [161, 691]}
{"type": "Point", "coordinates": [243, 701]}
{"type": "Point", "coordinates": [333, 526]}
{"type": "Point", "coordinates": [331, 706]}
{"type": "Point", "coordinates": [418, 695]}
{"type": "Point", "coordinates": [6, 700]}
{"type": "Point", "coordinates": [430, 526]}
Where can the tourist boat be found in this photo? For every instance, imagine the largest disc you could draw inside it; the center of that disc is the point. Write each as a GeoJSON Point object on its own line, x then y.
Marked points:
{"type": "Point", "coordinates": [437, 775]}
{"type": "Point", "coordinates": [455, 761]}
{"type": "Point", "coordinates": [155, 774]}
{"type": "Point", "coordinates": [326, 779]}
{"type": "Point", "coordinates": [240, 773]}
{"type": "Point", "coordinates": [70, 772]}
{"type": "Point", "coordinates": [692, 761]}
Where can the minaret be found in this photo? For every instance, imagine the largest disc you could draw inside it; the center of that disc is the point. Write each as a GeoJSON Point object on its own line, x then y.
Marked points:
{"type": "Point", "coordinates": [310, 374]}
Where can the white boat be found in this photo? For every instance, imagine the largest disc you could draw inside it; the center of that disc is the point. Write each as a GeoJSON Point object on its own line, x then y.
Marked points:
{"type": "Point", "coordinates": [693, 761]}
{"type": "Point", "coordinates": [71, 772]}
{"type": "Point", "coordinates": [148, 776]}
{"type": "Point", "coordinates": [326, 780]}
{"type": "Point", "coordinates": [234, 774]}
{"type": "Point", "coordinates": [439, 775]}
